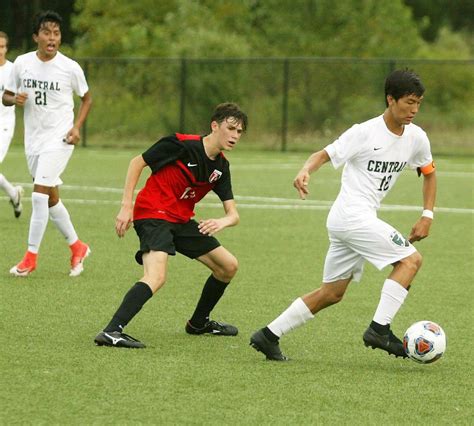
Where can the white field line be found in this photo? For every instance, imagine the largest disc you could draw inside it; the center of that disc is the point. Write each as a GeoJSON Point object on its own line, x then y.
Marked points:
{"type": "Point", "coordinates": [293, 204]}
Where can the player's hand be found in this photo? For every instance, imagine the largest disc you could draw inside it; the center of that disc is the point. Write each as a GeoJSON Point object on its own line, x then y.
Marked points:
{"type": "Point", "coordinates": [123, 221]}
{"type": "Point", "coordinates": [210, 226]}
{"type": "Point", "coordinates": [20, 98]}
{"type": "Point", "coordinates": [301, 183]}
{"type": "Point", "coordinates": [73, 136]}
{"type": "Point", "coordinates": [420, 230]}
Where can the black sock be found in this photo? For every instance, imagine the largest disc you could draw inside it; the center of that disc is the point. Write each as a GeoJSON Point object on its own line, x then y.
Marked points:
{"type": "Point", "coordinates": [379, 328]}
{"type": "Point", "coordinates": [269, 335]}
{"type": "Point", "coordinates": [133, 301]}
{"type": "Point", "coordinates": [211, 293]}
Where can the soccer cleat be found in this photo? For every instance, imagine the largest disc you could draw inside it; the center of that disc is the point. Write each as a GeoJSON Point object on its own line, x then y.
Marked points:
{"type": "Point", "coordinates": [270, 349]}
{"type": "Point", "coordinates": [213, 327]}
{"type": "Point", "coordinates": [118, 340]}
{"type": "Point", "coordinates": [17, 205]}
{"type": "Point", "coordinates": [26, 266]}
{"type": "Point", "coordinates": [387, 342]}
{"type": "Point", "coordinates": [79, 251]}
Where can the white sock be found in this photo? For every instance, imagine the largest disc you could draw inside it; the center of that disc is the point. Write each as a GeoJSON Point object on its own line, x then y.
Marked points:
{"type": "Point", "coordinates": [38, 221]}
{"type": "Point", "coordinates": [391, 300]}
{"type": "Point", "coordinates": [8, 187]}
{"type": "Point", "coordinates": [60, 217]}
{"type": "Point", "coordinates": [295, 315]}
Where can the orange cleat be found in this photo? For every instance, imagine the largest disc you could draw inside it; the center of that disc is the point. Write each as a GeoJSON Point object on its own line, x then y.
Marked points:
{"type": "Point", "coordinates": [26, 266]}
{"type": "Point", "coordinates": [79, 251]}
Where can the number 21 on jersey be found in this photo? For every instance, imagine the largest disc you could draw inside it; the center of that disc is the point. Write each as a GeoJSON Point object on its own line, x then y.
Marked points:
{"type": "Point", "coordinates": [40, 98]}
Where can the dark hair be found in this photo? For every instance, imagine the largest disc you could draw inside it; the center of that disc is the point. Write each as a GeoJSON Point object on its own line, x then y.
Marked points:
{"type": "Point", "coordinates": [403, 82]}
{"type": "Point", "coordinates": [48, 16]}
{"type": "Point", "coordinates": [5, 36]}
{"type": "Point", "coordinates": [229, 109]}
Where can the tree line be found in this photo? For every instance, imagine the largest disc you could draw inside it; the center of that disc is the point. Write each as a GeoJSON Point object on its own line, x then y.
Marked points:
{"type": "Point", "coordinates": [249, 28]}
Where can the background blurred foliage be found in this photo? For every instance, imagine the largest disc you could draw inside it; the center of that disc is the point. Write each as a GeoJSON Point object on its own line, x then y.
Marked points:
{"type": "Point", "coordinates": [228, 28]}
{"type": "Point", "coordinates": [222, 41]}
{"type": "Point", "coordinates": [225, 28]}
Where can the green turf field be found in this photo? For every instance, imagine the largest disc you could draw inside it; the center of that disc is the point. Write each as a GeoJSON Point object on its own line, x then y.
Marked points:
{"type": "Point", "coordinates": [51, 372]}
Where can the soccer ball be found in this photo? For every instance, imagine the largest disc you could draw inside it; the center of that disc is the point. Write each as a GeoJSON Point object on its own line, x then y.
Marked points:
{"type": "Point", "coordinates": [424, 342]}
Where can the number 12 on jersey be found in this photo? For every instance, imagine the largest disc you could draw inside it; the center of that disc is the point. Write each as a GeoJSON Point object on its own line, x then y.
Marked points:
{"type": "Point", "coordinates": [385, 184]}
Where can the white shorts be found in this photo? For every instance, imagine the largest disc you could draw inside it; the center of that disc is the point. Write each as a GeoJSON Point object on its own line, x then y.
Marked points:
{"type": "Point", "coordinates": [6, 135]}
{"type": "Point", "coordinates": [47, 168]}
{"type": "Point", "coordinates": [375, 241]}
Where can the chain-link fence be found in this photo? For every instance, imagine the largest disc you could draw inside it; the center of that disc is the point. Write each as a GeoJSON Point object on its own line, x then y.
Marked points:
{"type": "Point", "coordinates": [292, 103]}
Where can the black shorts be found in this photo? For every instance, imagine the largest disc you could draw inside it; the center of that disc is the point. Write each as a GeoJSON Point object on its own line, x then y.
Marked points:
{"type": "Point", "coordinates": [161, 235]}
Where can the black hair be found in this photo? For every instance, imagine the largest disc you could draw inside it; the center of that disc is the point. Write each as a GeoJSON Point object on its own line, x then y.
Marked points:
{"type": "Point", "coordinates": [403, 82]}
{"type": "Point", "coordinates": [230, 109]}
{"type": "Point", "coordinates": [5, 36]}
{"type": "Point", "coordinates": [47, 16]}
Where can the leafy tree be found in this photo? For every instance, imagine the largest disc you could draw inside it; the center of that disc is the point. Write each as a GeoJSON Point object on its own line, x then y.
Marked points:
{"type": "Point", "coordinates": [225, 28]}
{"type": "Point", "coordinates": [433, 15]}
{"type": "Point", "coordinates": [358, 28]}
{"type": "Point", "coordinates": [173, 28]}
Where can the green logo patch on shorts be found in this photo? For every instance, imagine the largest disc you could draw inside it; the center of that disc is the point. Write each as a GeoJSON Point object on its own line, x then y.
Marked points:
{"type": "Point", "coordinates": [398, 239]}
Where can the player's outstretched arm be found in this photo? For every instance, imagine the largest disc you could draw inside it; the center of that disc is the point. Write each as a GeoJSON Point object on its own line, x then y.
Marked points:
{"type": "Point", "coordinates": [231, 218]}
{"type": "Point", "coordinates": [421, 229]}
{"type": "Point", "coordinates": [313, 163]}
{"type": "Point", "coordinates": [125, 216]}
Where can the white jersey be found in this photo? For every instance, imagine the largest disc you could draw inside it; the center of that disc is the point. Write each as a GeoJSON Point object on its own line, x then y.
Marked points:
{"type": "Point", "coordinates": [49, 109]}
{"type": "Point", "coordinates": [7, 114]}
{"type": "Point", "coordinates": [374, 157]}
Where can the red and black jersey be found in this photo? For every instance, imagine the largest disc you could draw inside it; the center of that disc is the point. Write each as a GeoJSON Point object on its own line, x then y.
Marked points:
{"type": "Point", "coordinates": [181, 175]}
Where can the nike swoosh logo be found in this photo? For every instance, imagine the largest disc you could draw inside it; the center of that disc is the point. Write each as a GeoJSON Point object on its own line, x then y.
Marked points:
{"type": "Point", "coordinates": [192, 165]}
{"type": "Point", "coordinates": [216, 332]}
{"type": "Point", "coordinates": [376, 149]}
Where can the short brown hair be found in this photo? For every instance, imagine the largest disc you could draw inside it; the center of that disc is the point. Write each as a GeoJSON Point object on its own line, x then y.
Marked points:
{"type": "Point", "coordinates": [229, 109]}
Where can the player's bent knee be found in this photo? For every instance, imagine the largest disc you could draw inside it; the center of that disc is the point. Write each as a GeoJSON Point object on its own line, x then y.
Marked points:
{"type": "Point", "coordinates": [332, 296]}
{"type": "Point", "coordinates": [227, 271]}
{"type": "Point", "coordinates": [413, 262]}
{"type": "Point", "coordinates": [155, 283]}
{"type": "Point", "coordinates": [232, 267]}
{"type": "Point", "coordinates": [336, 298]}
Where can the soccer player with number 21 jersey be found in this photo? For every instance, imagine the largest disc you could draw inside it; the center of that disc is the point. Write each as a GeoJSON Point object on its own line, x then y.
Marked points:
{"type": "Point", "coordinates": [43, 83]}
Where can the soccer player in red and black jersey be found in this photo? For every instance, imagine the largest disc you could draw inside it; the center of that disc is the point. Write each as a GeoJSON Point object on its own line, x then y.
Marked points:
{"type": "Point", "coordinates": [184, 168]}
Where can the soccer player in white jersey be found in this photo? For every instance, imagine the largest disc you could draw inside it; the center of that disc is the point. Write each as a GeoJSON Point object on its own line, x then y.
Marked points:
{"type": "Point", "coordinates": [43, 83]}
{"type": "Point", "coordinates": [374, 153]}
{"type": "Point", "coordinates": [7, 126]}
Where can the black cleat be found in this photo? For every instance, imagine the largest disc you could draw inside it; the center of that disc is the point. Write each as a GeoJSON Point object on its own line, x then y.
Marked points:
{"type": "Point", "coordinates": [117, 339]}
{"type": "Point", "coordinates": [387, 342]}
{"type": "Point", "coordinates": [17, 205]}
{"type": "Point", "coordinates": [213, 327]}
{"type": "Point", "coordinates": [270, 349]}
